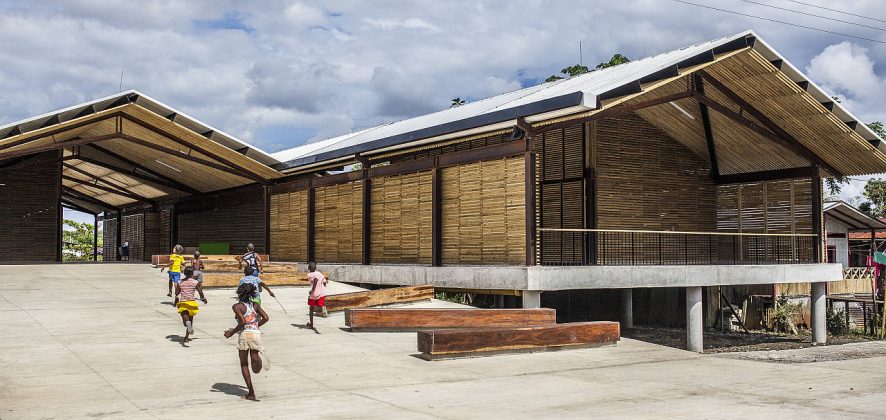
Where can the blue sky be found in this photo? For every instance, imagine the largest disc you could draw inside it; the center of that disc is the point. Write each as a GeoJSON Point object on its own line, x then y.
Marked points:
{"type": "Point", "coordinates": [280, 73]}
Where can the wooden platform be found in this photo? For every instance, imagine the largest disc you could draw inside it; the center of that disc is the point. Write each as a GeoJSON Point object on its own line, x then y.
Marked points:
{"type": "Point", "coordinates": [448, 343]}
{"type": "Point", "coordinates": [413, 319]}
{"type": "Point", "coordinates": [379, 297]}
{"type": "Point", "coordinates": [215, 279]}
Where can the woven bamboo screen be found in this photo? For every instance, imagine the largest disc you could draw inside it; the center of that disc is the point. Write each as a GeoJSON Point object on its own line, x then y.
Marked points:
{"type": "Point", "coordinates": [289, 226]}
{"type": "Point", "coordinates": [647, 180]}
{"type": "Point", "coordinates": [484, 213]}
{"type": "Point", "coordinates": [561, 195]}
{"type": "Point", "coordinates": [783, 206]}
{"type": "Point", "coordinates": [338, 227]}
{"type": "Point", "coordinates": [400, 218]}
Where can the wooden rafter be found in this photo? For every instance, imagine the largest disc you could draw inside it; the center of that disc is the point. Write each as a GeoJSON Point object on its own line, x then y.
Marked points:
{"type": "Point", "coordinates": [80, 196]}
{"type": "Point", "coordinates": [92, 184]}
{"type": "Point", "coordinates": [170, 182]}
{"type": "Point", "coordinates": [244, 171]}
{"type": "Point", "coordinates": [781, 136]}
{"type": "Point", "coordinates": [698, 82]}
{"type": "Point", "coordinates": [180, 155]}
{"type": "Point", "coordinates": [111, 184]}
{"type": "Point", "coordinates": [42, 134]}
{"type": "Point", "coordinates": [57, 146]}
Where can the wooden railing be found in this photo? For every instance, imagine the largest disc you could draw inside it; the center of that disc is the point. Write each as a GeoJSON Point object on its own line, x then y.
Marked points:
{"type": "Point", "coordinates": [646, 247]}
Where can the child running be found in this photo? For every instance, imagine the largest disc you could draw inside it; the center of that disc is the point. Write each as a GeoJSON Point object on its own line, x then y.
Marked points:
{"type": "Point", "coordinates": [175, 267]}
{"type": "Point", "coordinates": [198, 267]}
{"type": "Point", "coordinates": [251, 259]}
{"type": "Point", "coordinates": [317, 295]}
{"type": "Point", "coordinates": [250, 277]}
{"type": "Point", "coordinates": [250, 316]}
{"type": "Point", "coordinates": [185, 303]}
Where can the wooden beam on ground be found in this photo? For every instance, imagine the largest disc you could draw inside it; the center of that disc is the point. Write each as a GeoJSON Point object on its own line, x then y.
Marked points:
{"type": "Point", "coordinates": [436, 344]}
{"type": "Point", "coordinates": [379, 297]}
{"type": "Point", "coordinates": [413, 319]}
{"type": "Point", "coordinates": [804, 172]}
{"type": "Point", "coordinates": [243, 171]}
{"type": "Point", "coordinates": [785, 137]}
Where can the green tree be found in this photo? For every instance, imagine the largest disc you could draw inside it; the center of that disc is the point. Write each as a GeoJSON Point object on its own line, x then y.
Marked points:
{"type": "Point", "coordinates": [457, 102]}
{"type": "Point", "coordinates": [614, 61]}
{"type": "Point", "coordinates": [877, 127]}
{"type": "Point", "coordinates": [77, 239]}
{"type": "Point", "coordinates": [875, 192]}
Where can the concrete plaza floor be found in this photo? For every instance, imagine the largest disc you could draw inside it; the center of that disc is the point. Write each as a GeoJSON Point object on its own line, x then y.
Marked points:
{"type": "Point", "coordinates": [103, 341]}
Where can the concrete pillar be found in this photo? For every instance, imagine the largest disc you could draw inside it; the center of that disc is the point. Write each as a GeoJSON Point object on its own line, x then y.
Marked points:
{"type": "Point", "coordinates": [627, 308]}
{"type": "Point", "coordinates": [694, 326]}
{"type": "Point", "coordinates": [531, 299]}
{"type": "Point", "coordinates": [499, 301]}
{"type": "Point", "coordinates": [819, 308]}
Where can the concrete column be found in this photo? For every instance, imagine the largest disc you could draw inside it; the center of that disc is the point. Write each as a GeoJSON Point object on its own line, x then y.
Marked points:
{"type": "Point", "coordinates": [819, 308]}
{"type": "Point", "coordinates": [694, 326]}
{"type": "Point", "coordinates": [531, 299]}
{"type": "Point", "coordinates": [627, 308]}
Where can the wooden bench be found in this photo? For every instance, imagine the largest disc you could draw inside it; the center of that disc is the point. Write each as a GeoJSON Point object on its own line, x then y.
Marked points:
{"type": "Point", "coordinates": [448, 343]}
{"type": "Point", "coordinates": [163, 259]}
{"type": "Point", "coordinates": [379, 297]}
{"type": "Point", "coordinates": [216, 279]}
{"type": "Point", "coordinates": [413, 319]}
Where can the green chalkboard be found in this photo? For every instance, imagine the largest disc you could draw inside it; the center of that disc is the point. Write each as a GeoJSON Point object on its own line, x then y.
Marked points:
{"type": "Point", "coordinates": [215, 248]}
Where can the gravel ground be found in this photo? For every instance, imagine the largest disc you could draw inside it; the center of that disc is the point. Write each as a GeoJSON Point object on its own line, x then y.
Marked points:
{"type": "Point", "coordinates": [756, 341]}
{"type": "Point", "coordinates": [814, 354]}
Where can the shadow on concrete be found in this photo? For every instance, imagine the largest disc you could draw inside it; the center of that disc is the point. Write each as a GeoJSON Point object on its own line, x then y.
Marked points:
{"type": "Point", "coordinates": [306, 327]}
{"type": "Point", "coordinates": [230, 389]}
{"type": "Point", "coordinates": [175, 338]}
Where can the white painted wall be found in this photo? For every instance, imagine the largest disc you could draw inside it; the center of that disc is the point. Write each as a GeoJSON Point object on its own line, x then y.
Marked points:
{"type": "Point", "coordinates": [842, 244]}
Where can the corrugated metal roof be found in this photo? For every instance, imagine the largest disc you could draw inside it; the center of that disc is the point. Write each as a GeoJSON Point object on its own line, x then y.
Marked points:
{"type": "Point", "coordinates": [851, 216]}
{"type": "Point", "coordinates": [145, 101]}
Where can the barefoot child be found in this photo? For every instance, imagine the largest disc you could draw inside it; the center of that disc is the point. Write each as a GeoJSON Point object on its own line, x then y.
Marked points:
{"type": "Point", "coordinates": [175, 267]}
{"type": "Point", "coordinates": [185, 303]}
{"type": "Point", "coordinates": [198, 267]}
{"type": "Point", "coordinates": [317, 295]}
{"type": "Point", "coordinates": [250, 316]}
{"type": "Point", "coordinates": [250, 277]}
{"type": "Point", "coordinates": [251, 259]}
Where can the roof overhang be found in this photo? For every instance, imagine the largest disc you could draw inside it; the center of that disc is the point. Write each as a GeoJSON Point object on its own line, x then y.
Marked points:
{"type": "Point", "coordinates": [854, 218]}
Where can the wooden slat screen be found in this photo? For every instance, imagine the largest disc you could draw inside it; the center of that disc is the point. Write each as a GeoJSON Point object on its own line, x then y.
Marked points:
{"type": "Point", "coordinates": [289, 226]}
{"type": "Point", "coordinates": [338, 223]}
{"type": "Point", "coordinates": [133, 231]}
{"type": "Point", "coordinates": [109, 237]}
{"type": "Point", "coordinates": [400, 219]}
{"type": "Point", "coordinates": [29, 196]}
{"type": "Point", "coordinates": [561, 196]}
{"type": "Point", "coordinates": [484, 214]}
{"type": "Point", "coordinates": [647, 180]}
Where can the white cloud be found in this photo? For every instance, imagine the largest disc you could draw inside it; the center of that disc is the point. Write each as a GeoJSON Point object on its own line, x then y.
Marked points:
{"type": "Point", "coordinates": [846, 70]}
{"type": "Point", "coordinates": [304, 15]}
{"type": "Point", "coordinates": [409, 23]}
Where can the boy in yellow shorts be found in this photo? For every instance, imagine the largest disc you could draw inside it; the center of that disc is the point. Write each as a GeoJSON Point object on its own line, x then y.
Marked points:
{"type": "Point", "coordinates": [175, 267]}
{"type": "Point", "coordinates": [185, 303]}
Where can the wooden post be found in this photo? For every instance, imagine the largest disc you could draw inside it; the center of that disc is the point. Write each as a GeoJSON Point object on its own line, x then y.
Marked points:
{"type": "Point", "coordinates": [817, 213]}
{"type": "Point", "coordinates": [366, 256]}
{"type": "Point", "coordinates": [95, 239]}
{"type": "Point", "coordinates": [436, 216]}
{"type": "Point", "coordinates": [530, 206]}
{"type": "Point", "coordinates": [311, 208]}
{"type": "Point", "coordinates": [119, 234]}
{"type": "Point", "coordinates": [267, 199]}
{"type": "Point", "coordinates": [60, 220]}
{"type": "Point", "coordinates": [708, 131]}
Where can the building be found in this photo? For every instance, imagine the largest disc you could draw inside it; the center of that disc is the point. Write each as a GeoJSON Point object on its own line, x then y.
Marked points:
{"type": "Point", "coordinates": [677, 174]}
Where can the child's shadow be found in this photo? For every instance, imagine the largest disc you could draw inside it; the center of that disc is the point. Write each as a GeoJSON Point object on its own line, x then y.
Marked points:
{"type": "Point", "coordinates": [168, 302]}
{"type": "Point", "coordinates": [175, 338]}
{"type": "Point", "coordinates": [306, 327]}
{"type": "Point", "coordinates": [230, 389]}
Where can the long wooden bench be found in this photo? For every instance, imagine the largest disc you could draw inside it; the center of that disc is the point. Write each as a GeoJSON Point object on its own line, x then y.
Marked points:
{"type": "Point", "coordinates": [448, 343]}
{"type": "Point", "coordinates": [413, 319]}
{"type": "Point", "coordinates": [164, 258]}
{"type": "Point", "coordinates": [215, 279]}
{"type": "Point", "coordinates": [379, 297]}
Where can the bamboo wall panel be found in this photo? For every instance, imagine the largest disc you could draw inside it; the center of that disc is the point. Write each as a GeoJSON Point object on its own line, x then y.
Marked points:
{"type": "Point", "coordinates": [236, 225]}
{"type": "Point", "coordinates": [154, 238]}
{"type": "Point", "coordinates": [29, 197]}
{"type": "Point", "coordinates": [484, 213]}
{"type": "Point", "coordinates": [783, 206]}
{"type": "Point", "coordinates": [647, 180]}
{"type": "Point", "coordinates": [561, 195]}
{"type": "Point", "coordinates": [338, 234]}
{"type": "Point", "coordinates": [133, 231]}
{"type": "Point", "coordinates": [109, 236]}
{"type": "Point", "coordinates": [165, 231]}
{"type": "Point", "coordinates": [289, 226]}
{"type": "Point", "coordinates": [400, 219]}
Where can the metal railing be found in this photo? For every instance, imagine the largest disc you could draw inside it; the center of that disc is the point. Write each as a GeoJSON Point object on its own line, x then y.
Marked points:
{"type": "Point", "coordinates": [645, 247]}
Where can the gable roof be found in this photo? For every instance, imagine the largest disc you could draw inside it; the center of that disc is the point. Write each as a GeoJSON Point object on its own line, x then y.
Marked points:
{"type": "Point", "coordinates": [585, 92]}
{"type": "Point", "coordinates": [851, 216]}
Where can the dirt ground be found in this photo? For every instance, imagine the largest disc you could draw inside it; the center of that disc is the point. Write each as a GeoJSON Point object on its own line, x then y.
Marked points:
{"type": "Point", "coordinates": [732, 342]}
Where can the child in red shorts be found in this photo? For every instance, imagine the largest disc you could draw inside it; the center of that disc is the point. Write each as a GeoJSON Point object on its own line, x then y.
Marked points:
{"type": "Point", "coordinates": [317, 295]}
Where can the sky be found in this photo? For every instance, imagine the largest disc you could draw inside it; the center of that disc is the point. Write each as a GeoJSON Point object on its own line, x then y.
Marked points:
{"type": "Point", "coordinates": [280, 73]}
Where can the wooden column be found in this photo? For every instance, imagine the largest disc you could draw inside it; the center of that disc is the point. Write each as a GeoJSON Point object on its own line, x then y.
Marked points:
{"type": "Point", "coordinates": [173, 222]}
{"type": "Point", "coordinates": [708, 131]}
{"type": "Point", "coordinates": [436, 216]}
{"type": "Point", "coordinates": [311, 209]}
{"type": "Point", "coordinates": [530, 206]}
{"type": "Point", "coordinates": [367, 219]}
{"type": "Point", "coordinates": [267, 199]}
{"type": "Point", "coordinates": [95, 238]}
{"type": "Point", "coordinates": [817, 213]}
{"type": "Point", "coordinates": [61, 211]}
{"type": "Point", "coordinates": [119, 234]}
